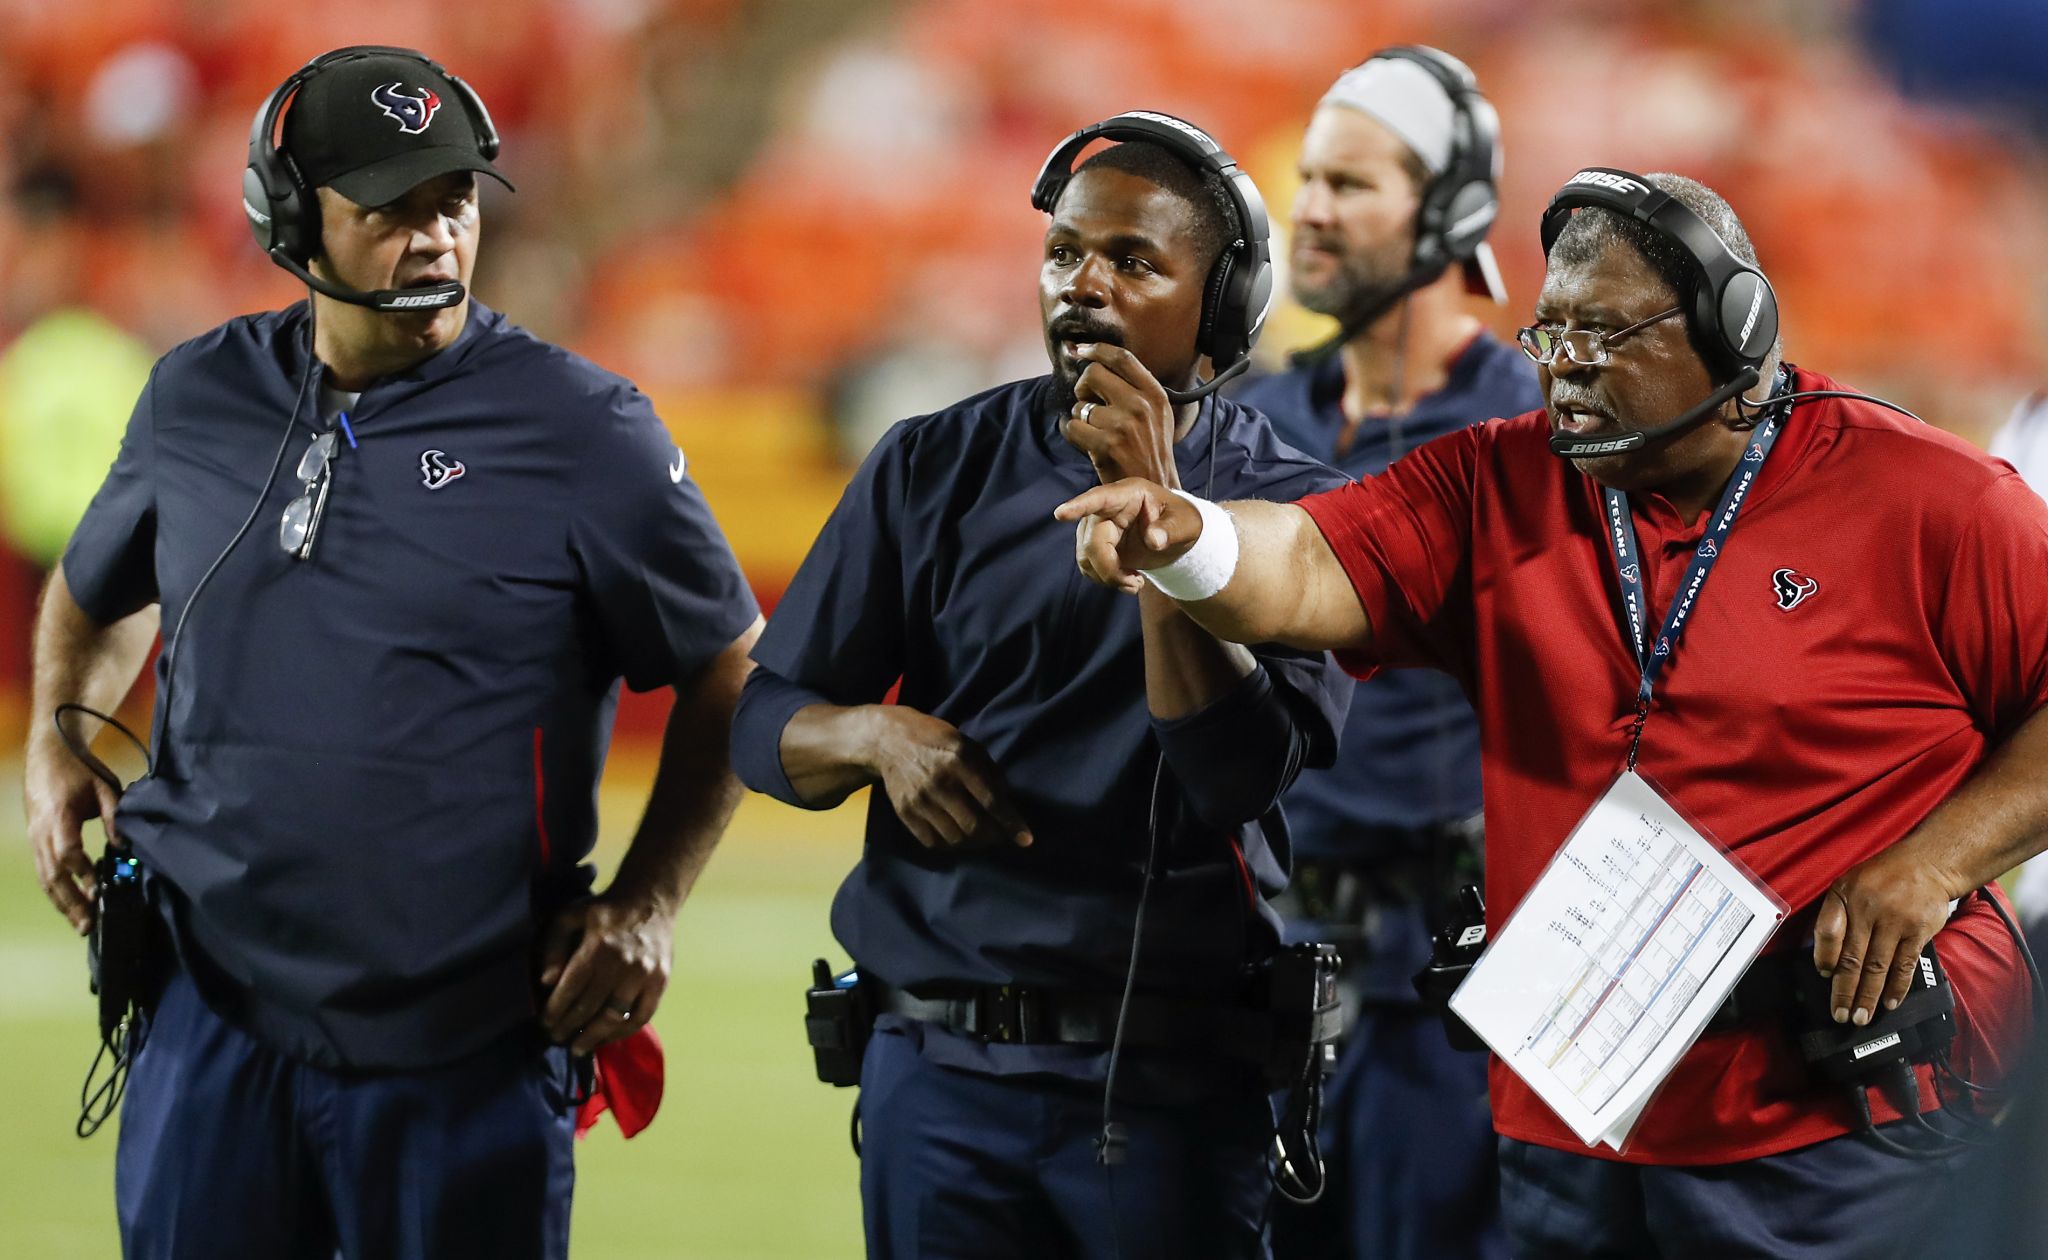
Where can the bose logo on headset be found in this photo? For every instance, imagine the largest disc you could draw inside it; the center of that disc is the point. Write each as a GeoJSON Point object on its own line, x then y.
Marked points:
{"type": "Point", "coordinates": [1175, 123]}
{"type": "Point", "coordinates": [1619, 183]}
{"type": "Point", "coordinates": [1756, 304]}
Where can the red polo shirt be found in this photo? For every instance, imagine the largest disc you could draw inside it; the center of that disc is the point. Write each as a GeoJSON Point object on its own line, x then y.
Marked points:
{"type": "Point", "coordinates": [1805, 738]}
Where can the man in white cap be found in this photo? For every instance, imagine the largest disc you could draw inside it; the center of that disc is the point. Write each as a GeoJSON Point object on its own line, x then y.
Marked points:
{"type": "Point", "coordinates": [1398, 169]}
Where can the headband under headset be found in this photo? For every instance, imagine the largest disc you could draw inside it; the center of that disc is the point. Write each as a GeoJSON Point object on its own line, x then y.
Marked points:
{"type": "Point", "coordinates": [284, 214]}
{"type": "Point", "coordinates": [1239, 292]}
{"type": "Point", "coordinates": [1460, 203]}
{"type": "Point", "coordinates": [1732, 306]}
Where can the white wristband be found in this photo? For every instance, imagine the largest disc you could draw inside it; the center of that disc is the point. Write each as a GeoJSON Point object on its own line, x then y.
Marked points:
{"type": "Point", "coordinates": [1204, 568]}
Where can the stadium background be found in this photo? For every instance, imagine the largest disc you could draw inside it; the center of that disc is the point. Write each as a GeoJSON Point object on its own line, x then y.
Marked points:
{"type": "Point", "coordinates": [794, 221]}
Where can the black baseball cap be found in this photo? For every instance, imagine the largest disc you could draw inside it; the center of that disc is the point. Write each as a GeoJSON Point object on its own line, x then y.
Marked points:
{"type": "Point", "coordinates": [373, 128]}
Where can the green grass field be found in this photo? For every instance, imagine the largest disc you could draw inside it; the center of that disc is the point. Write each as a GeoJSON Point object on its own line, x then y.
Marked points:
{"type": "Point", "coordinates": [748, 1158]}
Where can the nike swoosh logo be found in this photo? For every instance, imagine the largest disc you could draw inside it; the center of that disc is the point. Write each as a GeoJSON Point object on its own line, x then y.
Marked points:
{"type": "Point", "coordinates": [675, 474]}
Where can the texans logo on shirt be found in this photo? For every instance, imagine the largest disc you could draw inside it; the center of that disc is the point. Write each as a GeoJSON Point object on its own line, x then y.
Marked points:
{"type": "Point", "coordinates": [437, 470]}
{"type": "Point", "coordinates": [412, 112]}
{"type": "Point", "coordinates": [1793, 588]}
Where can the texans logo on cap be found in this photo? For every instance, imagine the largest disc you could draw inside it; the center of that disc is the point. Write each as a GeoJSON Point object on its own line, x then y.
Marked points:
{"type": "Point", "coordinates": [437, 469]}
{"type": "Point", "coordinates": [413, 113]}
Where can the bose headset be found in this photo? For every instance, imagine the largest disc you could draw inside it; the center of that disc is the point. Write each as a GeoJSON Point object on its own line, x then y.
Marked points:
{"type": "Point", "coordinates": [1239, 292]}
{"type": "Point", "coordinates": [1459, 204]}
{"type": "Point", "coordinates": [284, 214]}
{"type": "Point", "coordinates": [1732, 309]}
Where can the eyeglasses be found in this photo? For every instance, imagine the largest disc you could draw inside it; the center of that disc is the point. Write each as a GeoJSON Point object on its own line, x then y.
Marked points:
{"type": "Point", "coordinates": [302, 515]}
{"type": "Point", "coordinates": [1583, 346]}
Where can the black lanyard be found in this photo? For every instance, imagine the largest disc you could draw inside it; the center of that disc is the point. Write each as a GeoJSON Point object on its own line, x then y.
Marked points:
{"type": "Point", "coordinates": [1621, 535]}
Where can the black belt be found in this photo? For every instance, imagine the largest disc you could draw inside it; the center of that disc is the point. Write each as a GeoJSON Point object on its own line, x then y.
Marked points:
{"type": "Point", "coordinates": [1022, 1015]}
{"type": "Point", "coordinates": [1765, 992]}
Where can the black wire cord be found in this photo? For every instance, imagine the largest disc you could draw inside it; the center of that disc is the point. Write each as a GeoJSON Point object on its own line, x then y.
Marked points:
{"type": "Point", "coordinates": [1957, 1109]}
{"type": "Point", "coordinates": [2019, 938]}
{"type": "Point", "coordinates": [177, 636]}
{"type": "Point", "coordinates": [97, 1102]}
{"type": "Point", "coordinates": [1754, 411]}
{"type": "Point", "coordinates": [1903, 1077]}
{"type": "Point", "coordinates": [1112, 1142]}
{"type": "Point", "coordinates": [1942, 1065]}
{"type": "Point", "coordinates": [81, 748]}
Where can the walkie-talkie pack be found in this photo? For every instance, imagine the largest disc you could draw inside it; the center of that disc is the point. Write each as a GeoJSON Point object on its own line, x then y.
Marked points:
{"type": "Point", "coordinates": [121, 956]}
{"type": "Point", "coordinates": [839, 1015]}
{"type": "Point", "coordinates": [1918, 1030]}
{"type": "Point", "coordinates": [117, 951]}
{"type": "Point", "coordinates": [1452, 953]}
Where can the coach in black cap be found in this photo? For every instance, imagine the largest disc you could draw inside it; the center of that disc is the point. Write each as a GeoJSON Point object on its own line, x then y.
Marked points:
{"type": "Point", "coordinates": [405, 553]}
{"type": "Point", "coordinates": [376, 127]}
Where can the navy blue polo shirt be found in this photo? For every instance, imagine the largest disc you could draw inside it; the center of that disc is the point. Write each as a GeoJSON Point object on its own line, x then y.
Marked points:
{"type": "Point", "coordinates": [942, 566]}
{"type": "Point", "coordinates": [378, 766]}
{"type": "Point", "coordinates": [1410, 755]}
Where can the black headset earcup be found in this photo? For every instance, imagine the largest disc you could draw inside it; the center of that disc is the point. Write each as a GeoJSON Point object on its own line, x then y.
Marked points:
{"type": "Point", "coordinates": [258, 207]}
{"type": "Point", "coordinates": [1216, 313]}
{"type": "Point", "coordinates": [1235, 305]}
{"type": "Point", "coordinates": [297, 230]}
{"type": "Point", "coordinates": [1467, 218]}
{"type": "Point", "coordinates": [289, 221]}
{"type": "Point", "coordinates": [1746, 318]}
{"type": "Point", "coordinates": [1430, 255]}
{"type": "Point", "coordinates": [1255, 299]}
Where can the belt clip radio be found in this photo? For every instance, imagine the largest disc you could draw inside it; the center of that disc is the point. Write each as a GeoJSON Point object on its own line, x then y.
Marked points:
{"type": "Point", "coordinates": [1916, 1031]}
{"type": "Point", "coordinates": [1453, 951]}
{"type": "Point", "coordinates": [839, 1014]}
{"type": "Point", "coordinates": [1301, 993]}
{"type": "Point", "coordinates": [1884, 1051]}
{"type": "Point", "coordinates": [117, 951]}
{"type": "Point", "coordinates": [120, 956]}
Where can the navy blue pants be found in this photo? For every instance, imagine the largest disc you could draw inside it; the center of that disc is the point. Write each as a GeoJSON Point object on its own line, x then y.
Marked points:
{"type": "Point", "coordinates": [1844, 1199]}
{"type": "Point", "coordinates": [230, 1149]}
{"type": "Point", "coordinates": [1408, 1145]}
{"type": "Point", "coordinates": [960, 1164]}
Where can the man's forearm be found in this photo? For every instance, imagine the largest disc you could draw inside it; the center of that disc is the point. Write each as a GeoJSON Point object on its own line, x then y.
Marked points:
{"type": "Point", "coordinates": [1187, 669]}
{"type": "Point", "coordinates": [1996, 820]}
{"type": "Point", "coordinates": [695, 790]}
{"type": "Point", "coordinates": [1287, 588]}
{"type": "Point", "coordinates": [77, 660]}
{"type": "Point", "coordinates": [827, 751]}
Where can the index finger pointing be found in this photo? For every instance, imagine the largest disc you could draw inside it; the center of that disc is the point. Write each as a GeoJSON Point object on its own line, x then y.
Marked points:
{"type": "Point", "coordinates": [1104, 501]}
